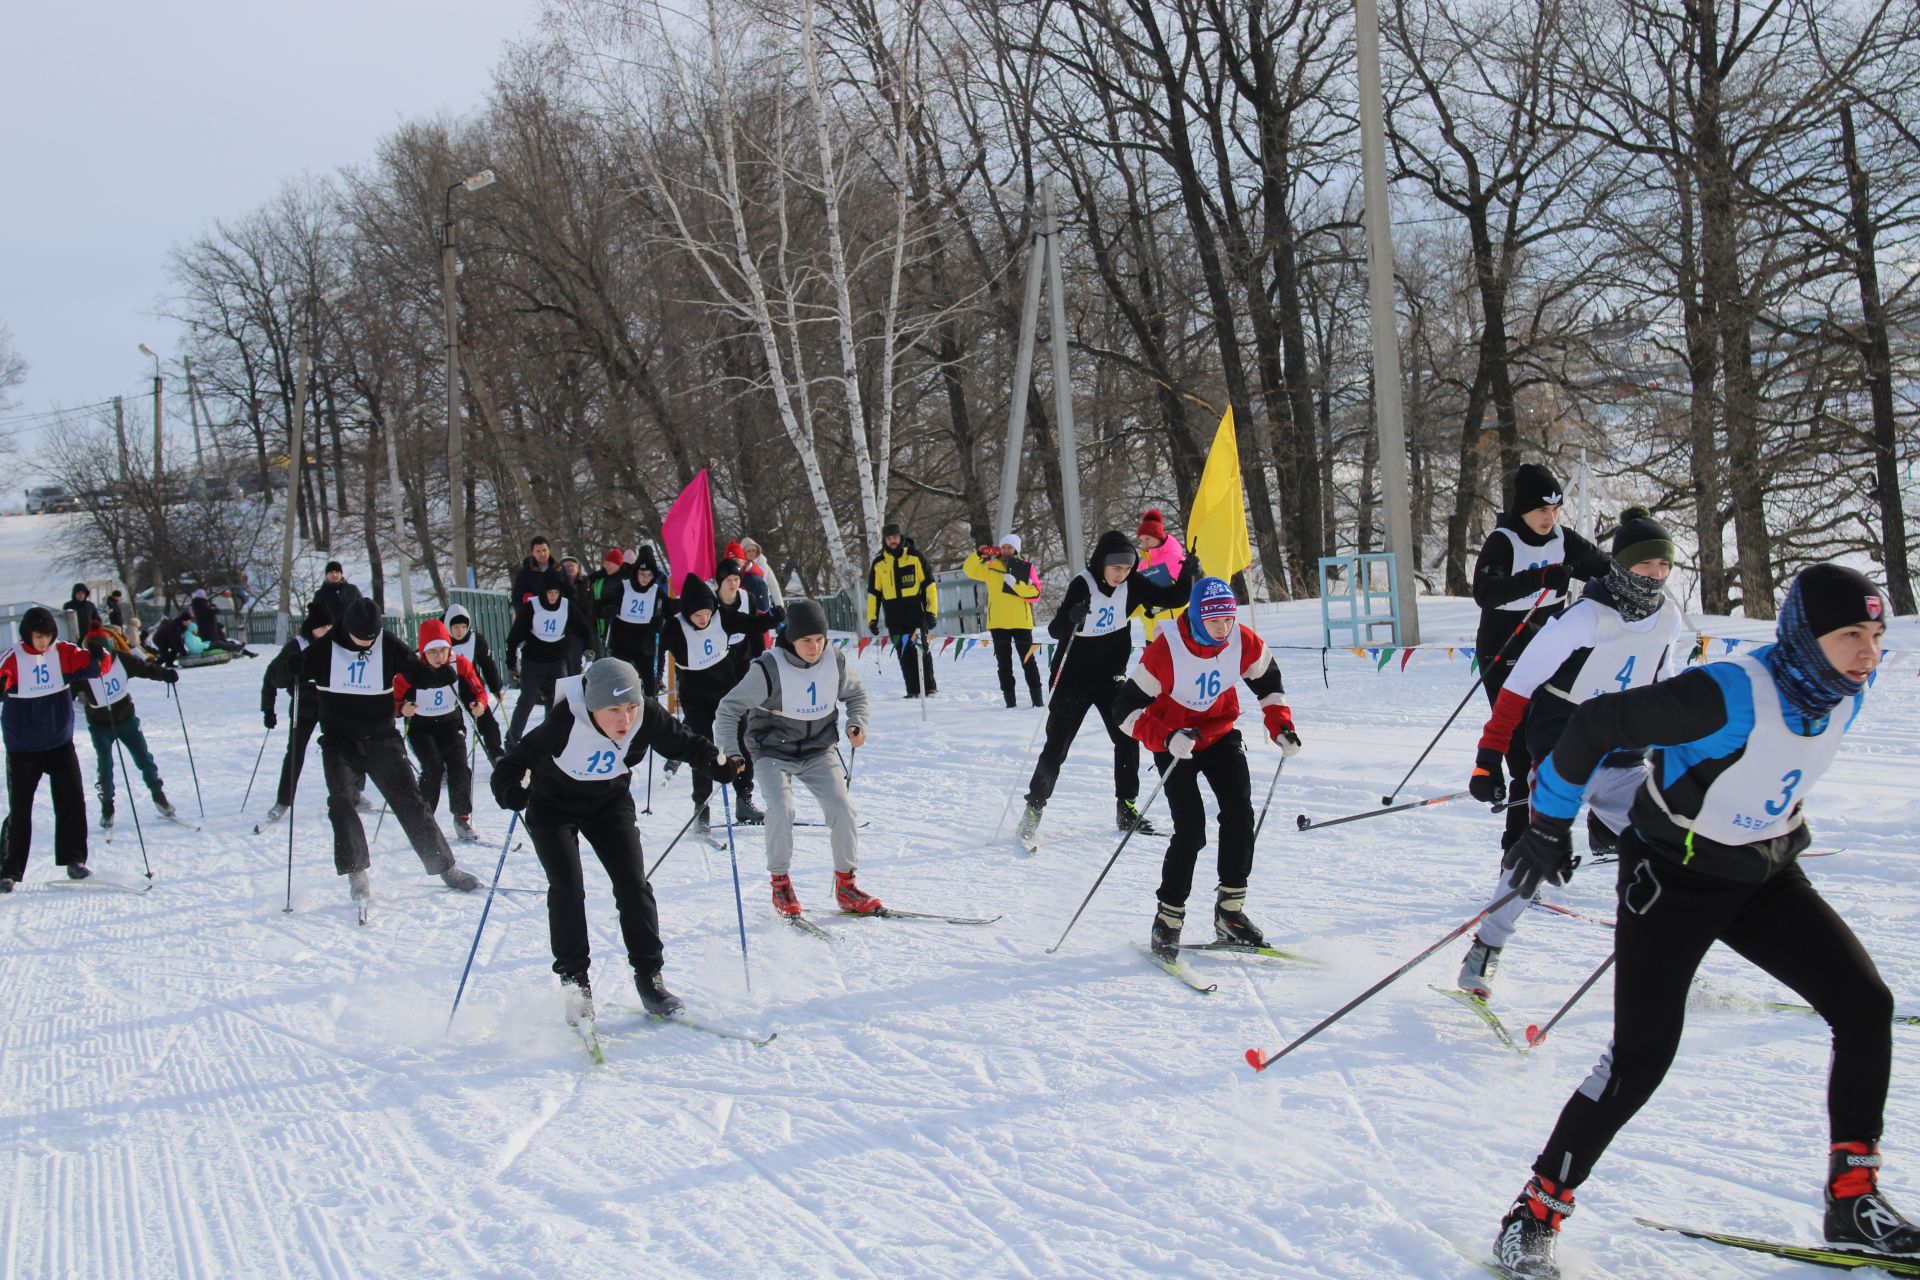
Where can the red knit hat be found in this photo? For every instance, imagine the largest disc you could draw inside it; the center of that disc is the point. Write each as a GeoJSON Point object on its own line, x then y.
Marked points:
{"type": "Point", "coordinates": [614, 556]}
{"type": "Point", "coordinates": [433, 631]}
{"type": "Point", "coordinates": [1152, 525]}
{"type": "Point", "coordinates": [736, 552]}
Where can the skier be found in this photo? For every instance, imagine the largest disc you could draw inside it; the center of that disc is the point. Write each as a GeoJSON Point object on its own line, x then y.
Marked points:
{"type": "Point", "coordinates": [1181, 701]}
{"type": "Point", "coordinates": [1092, 624]}
{"type": "Point", "coordinates": [471, 645]}
{"type": "Point", "coordinates": [86, 616]}
{"type": "Point", "coordinates": [531, 578]}
{"type": "Point", "coordinates": [548, 625]}
{"type": "Point", "coordinates": [1526, 554]}
{"type": "Point", "coordinates": [111, 716]}
{"type": "Point", "coordinates": [1622, 634]}
{"type": "Point", "coordinates": [435, 729]}
{"type": "Point", "coordinates": [746, 637]}
{"type": "Point", "coordinates": [1711, 857]}
{"type": "Point", "coordinates": [36, 720]}
{"type": "Point", "coordinates": [697, 639]}
{"type": "Point", "coordinates": [284, 672]}
{"type": "Point", "coordinates": [901, 593]}
{"type": "Point", "coordinates": [570, 775]}
{"type": "Point", "coordinates": [1012, 584]}
{"type": "Point", "coordinates": [336, 593]}
{"type": "Point", "coordinates": [786, 709]}
{"type": "Point", "coordinates": [634, 605]}
{"type": "Point", "coordinates": [354, 669]}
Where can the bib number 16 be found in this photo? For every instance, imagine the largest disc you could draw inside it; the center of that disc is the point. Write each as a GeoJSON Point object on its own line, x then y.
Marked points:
{"type": "Point", "coordinates": [1207, 685]}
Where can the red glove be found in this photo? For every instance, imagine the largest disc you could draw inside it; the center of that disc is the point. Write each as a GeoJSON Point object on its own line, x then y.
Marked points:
{"type": "Point", "coordinates": [1279, 720]}
{"type": "Point", "coordinates": [988, 553]}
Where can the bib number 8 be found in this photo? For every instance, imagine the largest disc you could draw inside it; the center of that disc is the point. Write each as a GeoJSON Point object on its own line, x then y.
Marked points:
{"type": "Point", "coordinates": [1208, 685]}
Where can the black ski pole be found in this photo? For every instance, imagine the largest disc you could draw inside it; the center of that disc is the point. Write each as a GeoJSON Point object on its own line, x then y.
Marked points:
{"type": "Point", "coordinates": [202, 805]}
{"type": "Point", "coordinates": [1151, 797]}
{"type": "Point", "coordinates": [265, 738]}
{"type": "Point", "coordinates": [1308, 824]}
{"type": "Point", "coordinates": [127, 782]}
{"type": "Point", "coordinates": [926, 669]}
{"type": "Point", "coordinates": [676, 840]}
{"type": "Point", "coordinates": [649, 808]}
{"type": "Point", "coordinates": [1260, 1061]}
{"type": "Point", "coordinates": [293, 784]}
{"type": "Point", "coordinates": [1270, 786]}
{"type": "Point", "coordinates": [1479, 680]}
{"type": "Point", "coordinates": [1535, 1035]}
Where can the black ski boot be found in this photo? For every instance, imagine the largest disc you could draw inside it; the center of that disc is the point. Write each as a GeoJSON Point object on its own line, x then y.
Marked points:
{"type": "Point", "coordinates": [655, 997]}
{"type": "Point", "coordinates": [1028, 832]}
{"type": "Point", "coordinates": [1857, 1214]}
{"type": "Point", "coordinates": [576, 995]}
{"type": "Point", "coordinates": [1164, 941]}
{"type": "Point", "coordinates": [745, 812]}
{"type": "Point", "coordinates": [1599, 838]}
{"type": "Point", "coordinates": [703, 823]}
{"type": "Point", "coordinates": [78, 871]}
{"type": "Point", "coordinates": [1127, 817]}
{"type": "Point", "coordinates": [161, 803]}
{"type": "Point", "coordinates": [1230, 923]}
{"type": "Point", "coordinates": [1524, 1248]}
{"type": "Point", "coordinates": [106, 813]}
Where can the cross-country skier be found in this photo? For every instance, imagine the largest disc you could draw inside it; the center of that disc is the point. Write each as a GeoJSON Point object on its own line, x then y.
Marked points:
{"type": "Point", "coordinates": [37, 678]}
{"type": "Point", "coordinates": [787, 710]}
{"type": "Point", "coordinates": [903, 595]}
{"type": "Point", "coordinates": [1711, 857]}
{"type": "Point", "coordinates": [1624, 633]}
{"type": "Point", "coordinates": [697, 638]}
{"type": "Point", "coordinates": [1527, 553]}
{"type": "Point", "coordinates": [111, 716]}
{"type": "Point", "coordinates": [549, 625]}
{"type": "Point", "coordinates": [353, 670]}
{"type": "Point", "coordinates": [745, 639]}
{"type": "Point", "coordinates": [1012, 584]}
{"type": "Point", "coordinates": [283, 673]}
{"type": "Point", "coordinates": [1181, 701]}
{"type": "Point", "coordinates": [634, 604]}
{"type": "Point", "coordinates": [580, 758]}
{"type": "Point", "coordinates": [471, 645]}
{"type": "Point", "coordinates": [1093, 625]}
{"type": "Point", "coordinates": [436, 730]}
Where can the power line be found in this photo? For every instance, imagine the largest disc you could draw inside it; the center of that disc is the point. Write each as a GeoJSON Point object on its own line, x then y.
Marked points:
{"type": "Point", "coordinates": [43, 416]}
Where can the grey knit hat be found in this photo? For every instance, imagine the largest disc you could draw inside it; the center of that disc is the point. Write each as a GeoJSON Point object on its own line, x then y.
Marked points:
{"type": "Point", "coordinates": [609, 683]}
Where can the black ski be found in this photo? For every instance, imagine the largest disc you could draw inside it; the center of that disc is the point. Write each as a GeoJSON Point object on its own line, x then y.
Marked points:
{"type": "Point", "coordinates": [888, 913]}
{"type": "Point", "coordinates": [805, 925]}
{"type": "Point", "coordinates": [1819, 1255]}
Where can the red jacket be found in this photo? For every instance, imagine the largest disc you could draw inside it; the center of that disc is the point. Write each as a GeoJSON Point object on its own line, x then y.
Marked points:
{"type": "Point", "coordinates": [459, 669]}
{"type": "Point", "coordinates": [1148, 712]}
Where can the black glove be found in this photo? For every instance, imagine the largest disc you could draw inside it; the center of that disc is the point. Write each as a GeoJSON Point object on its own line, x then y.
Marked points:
{"type": "Point", "coordinates": [272, 720]}
{"type": "Point", "coordinates": [1555, 577]}
{"type": "Point", "coordinates": [873, 627]}
{"type": "Point", "coordinates": [1488, 784]}
{"type": "Point", "coordinates": [722, 769]}
{"type": "Point", "coordinates": [170, 676]}
{"type": "Point", "coordinates": [928, 621]}
{"type": "Point", "coordinates": [1077, 612]}
{"type": "Point", "coordinates": [779, 616]}
{"type": "Point", "coordinates": [510, 792]}
{"type": "Point", "coordinates": [1544, 851]}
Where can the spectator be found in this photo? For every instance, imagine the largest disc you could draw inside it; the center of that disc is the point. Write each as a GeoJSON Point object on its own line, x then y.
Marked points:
{"type": "Point", "coordinates": [85, 615]}
{"type": "Point", "coordinates": [902, 594]}
{"type": "Point", "coordinates": [206, 620]}
{"type": "Point", "coordinates": [336, 593]}
{"type": "Point", "coordinates": [117, 608]}
{"type": "Point", "coordinates": [531, 578]}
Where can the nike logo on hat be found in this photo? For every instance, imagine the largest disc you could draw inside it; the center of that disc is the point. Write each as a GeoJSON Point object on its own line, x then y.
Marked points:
{"type": "Point", "coordinates": [618, 692]}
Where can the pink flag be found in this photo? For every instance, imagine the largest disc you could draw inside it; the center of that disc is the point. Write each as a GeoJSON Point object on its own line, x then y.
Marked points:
{"type": "Point", "coordinates": [687, 534]}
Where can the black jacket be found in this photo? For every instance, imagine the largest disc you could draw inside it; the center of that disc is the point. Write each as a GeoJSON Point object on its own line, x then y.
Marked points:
{"type": "Point", "coordinates": [85, 615]}
{"type": "Point", "coordinates": [631, 637]}
{"type": "Point", "coordinates": [713, 683]}
{"type": "Point", "coordinates": [1496, 584]}
{"type": "Point", "coordinates": [334, 597]}
{"type": "Point", "coordinates": [557, 797]}
{"type": "Point", "coordinates": [282, 671]}
{"type": "Point", "coordinates": [579, 627]}
{"type": "Point", "coordinates": [1097, 661]}
{"type": "Point", "coordinates": [359, 715]}
{"type": "Point", "coordinates": [529, 579]}
{"type": "Point", "coordinates": [207, 618]}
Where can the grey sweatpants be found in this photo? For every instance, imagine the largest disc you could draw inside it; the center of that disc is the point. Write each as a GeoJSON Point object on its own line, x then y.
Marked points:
{"type": "Point", "coordinates": [822, 776]}
{"type": "Point", "coordinates": [1610, 794]}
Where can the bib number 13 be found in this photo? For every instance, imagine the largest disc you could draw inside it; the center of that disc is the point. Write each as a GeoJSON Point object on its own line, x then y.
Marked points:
{"type": "Point", "coordinates": [601, 762]}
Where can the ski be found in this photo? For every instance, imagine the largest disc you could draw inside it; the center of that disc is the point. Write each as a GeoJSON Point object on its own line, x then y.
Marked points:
{"type": "Point", "coordinates": [811, 822]}
{"type": "Point", "coordinates": [805, 925]}
{"type": "Point", "coordinates": [589, 1037]}
{"type": "Point", "coordinates": [1483, 1013]}
{"type": "Point", "coordinates": [1247, 949]}
{"type": "Point", "coordinates": [1779, 1006]}
{"type": "Point", "coordinates": [888, 913]}
{"type": "Point", "coordinates": [1029, 843]}
{"type": "Point", "coordinates": [1819, 1255]}
{"type": "Point", "coordinates": [725, 1033]}
{"type": "Point", "coordinates": [365, 909]}
{"type": "Point", "coordinates": [178, 821]}
{"type": "Point", "coordinates": [1178, 970]}
{"type": "Point", "coordinates": [98, 881]}
{"type": "Point", "coordinates": [1570, 913]}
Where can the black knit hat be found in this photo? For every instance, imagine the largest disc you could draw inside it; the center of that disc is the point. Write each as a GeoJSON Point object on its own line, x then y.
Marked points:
{"type": "Point", "coordinates": [363, 620]}
{"type": "Point", "coordinates": [643, 559]}
{"type": "Point", "coordinates": [1835, 596]}
{"type": "Point", "coordinates": [696, 595]}
{"type": "Point", "coordinates": [727, 569]}
{"type": "Point", "coordinates": [1641, 537]}
{"type": "Point", "coordinates": [805, 618]}
{"type": "Point", "coordinates": [889, 530]}
{"type": "Point", "coordinates": [553, 580]}
{"type": "Point", "coordinates": [37, 621]}
{"type": "Point", "coordinates": [1534, 487]}
{"type": "Point", "coordinates": [333, 566]}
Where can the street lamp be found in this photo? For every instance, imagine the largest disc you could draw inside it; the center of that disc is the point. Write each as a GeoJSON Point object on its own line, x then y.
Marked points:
{"type": "Point", "coordinates": [296, 458]}
{"type": "Point", "coordinates": [159, 484]}
{"type": "Point", "coordinates": [456, 445]}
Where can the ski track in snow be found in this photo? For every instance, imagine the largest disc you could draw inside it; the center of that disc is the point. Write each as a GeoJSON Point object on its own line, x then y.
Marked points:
{"type": "Point", "coordinates": [194, 1083]}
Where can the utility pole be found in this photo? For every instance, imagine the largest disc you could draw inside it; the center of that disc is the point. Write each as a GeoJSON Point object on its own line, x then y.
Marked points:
{"type": "Point", "coordinates": [456, 443]}
{"type": "Point", "coordinates": [120, 434]}
{"type": "Point", "coordinates": [193, 414]}
{"type": "Point", "coordinates": [403, 563]}
{"type": "Point", "coordinates": [296, 455]}
{"type": "Point", "coordinates": [1388, 412]}
{"type": "Point", "coordinates": [160, 595]}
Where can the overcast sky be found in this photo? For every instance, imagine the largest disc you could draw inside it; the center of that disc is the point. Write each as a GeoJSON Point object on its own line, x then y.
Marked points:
{"type": "Point", "coordinates": [128, 128]}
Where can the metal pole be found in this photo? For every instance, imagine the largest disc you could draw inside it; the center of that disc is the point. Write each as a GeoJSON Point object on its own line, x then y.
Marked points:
{"type": "Point", "coordinates": [120, 434]}
{"type": "Point", "coordinates": [296, 454]}
{"type": "Point", "coordinates": [456, 443]}
{"type": "Point", "coordinates": [193, 416]}
{"type": "Point", "coordinates": [159, 477]}
{"type": "Point", "coordinates": [1388, 413]}
{"type": "Point", "coordinates": [402, 563]}
{"type": "Point", "coordinates": [1017, 399]}
{"type": "Point", "coordinates": [194, 394]}
{"type": "Point", "coordinates": [1062, 379]}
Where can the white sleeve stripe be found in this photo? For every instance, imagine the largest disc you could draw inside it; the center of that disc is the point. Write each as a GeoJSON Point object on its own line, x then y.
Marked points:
{"type": "Point", "coordinates": [1274, 700]}
{"type": "Point", "coordinates": [1127, 722]}
{"type": "Point", "coordinates": [1149, 684]}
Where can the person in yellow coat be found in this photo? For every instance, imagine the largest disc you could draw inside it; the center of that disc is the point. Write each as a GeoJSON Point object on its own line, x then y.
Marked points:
{"type": "Point", "coordinates": [903, 595]}
{"type": "Point", "coordinates": [1013, 584]}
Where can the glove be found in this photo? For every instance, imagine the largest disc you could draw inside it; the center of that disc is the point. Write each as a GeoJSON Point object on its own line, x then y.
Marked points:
{"type": "Point", "coordinates": [873, 627]}
{"type": "Point", "coordinates": [170, 676]}
{"type": "Point", "coordinates": [1488, 784]}
{"type": "Point", "coordinates": [928, 621]}
{"type": "Point", "coordinates": [510, 792]}
{"type": "Point", "coordinates": [1279, 718]}
{"type": "Point", "coordinates": [1181, 743]}
{"type": "Point", "coordinates": [988, 553]}
{"type": "Point", "coordinates": [1555, 576]}
{"type": "Point", "coordinates": [1543, 852]}
{"type": "Point", "coordinates": [779, 616]}
{"type": "Point", "coordinates": [1077, 612]}
{"type": "Point", "coordinates": [272, 720]}
{"type": "Point", "coordinates": [723, 768]}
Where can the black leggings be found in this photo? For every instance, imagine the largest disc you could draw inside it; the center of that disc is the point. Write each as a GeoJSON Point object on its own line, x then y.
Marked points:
{"type": "Point", "coordinates": [1669, 916]}
{"type": "Point", "coordinates": [1012, 646]}
{"type": "Point", "coordinates": [1065, 713]}
{"type": "Point", "coordinates": [1224, 766]}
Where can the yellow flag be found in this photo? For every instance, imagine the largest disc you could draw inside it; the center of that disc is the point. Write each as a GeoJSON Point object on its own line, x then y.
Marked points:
{"type": "Point", "coordinates": [1217, 525]}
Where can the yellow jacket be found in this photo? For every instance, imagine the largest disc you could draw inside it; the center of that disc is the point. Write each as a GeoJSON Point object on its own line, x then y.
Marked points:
{"type": "Point", "coordinates": [901, 575]}
{"type": "Point", "coordinates": [1008, 607]}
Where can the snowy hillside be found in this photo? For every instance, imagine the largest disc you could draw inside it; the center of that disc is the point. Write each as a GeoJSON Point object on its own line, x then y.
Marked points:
{"type": "Point", "coordinates": [194, 1083]}
{"type": "Point", "coordinates": [27, 553]}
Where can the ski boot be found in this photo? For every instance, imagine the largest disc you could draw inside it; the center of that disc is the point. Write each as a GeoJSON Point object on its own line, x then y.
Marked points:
{"type": "Point", "coordinates": [358, 887]}
{"type": "Point", "coordinates": [785, 901]}
{"type": "Point", "coordinates": [703, 823]}
{"type": "Point", "coordinates": [1164, 940]}
{"type": "Point", "coordinates": [363, 805]}
{"type": "Point", "coordinates": [6, 885]}
{"type": "Point", "coordinates": [463, 828]}
{"type": "Point", "coordinates": [1476, 971]}
{"type": "Point", "coordinates": [1027, 833]}
{"type": "Point", "coordinates": [1524, 1249]}
{"type": "Point", "coordinates": [655, 997]}
{"type": "Point", "coordinates": [106, 813]}
{"type": "Point", "coordinates": [745, 812]}
{"type": "Point", "coordinates": [1600, 839]}
{"type": "Point", "coordinates": [852, 898]}
{"type": "Point", "coordinates": [1230, 923]}
{"type": "Point", "coordinates": [78, 871]}
{"type": "Point", "coordinates": [576, 996]}
{"type": "Point", "coordinates": [458, 877]}
{"type": "Point", "coordinates": [161, 803]}
{"type": "Point", "coordinates": [1857, 1214]}
{"type": "Point", "coordinates": [274, 814]}
{"type": "Point", "coordinates": [1127, 817]}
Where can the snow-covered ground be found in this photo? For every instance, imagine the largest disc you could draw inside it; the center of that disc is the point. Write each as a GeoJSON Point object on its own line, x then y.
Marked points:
{"type": "Point", "coordinates": [194, 1083]}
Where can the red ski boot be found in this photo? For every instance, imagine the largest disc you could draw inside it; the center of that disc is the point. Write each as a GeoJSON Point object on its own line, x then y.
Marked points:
{"type": "Point", "coordinates": [852, 898]}
{"type": "Point", "coordinates": [784, 900]}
